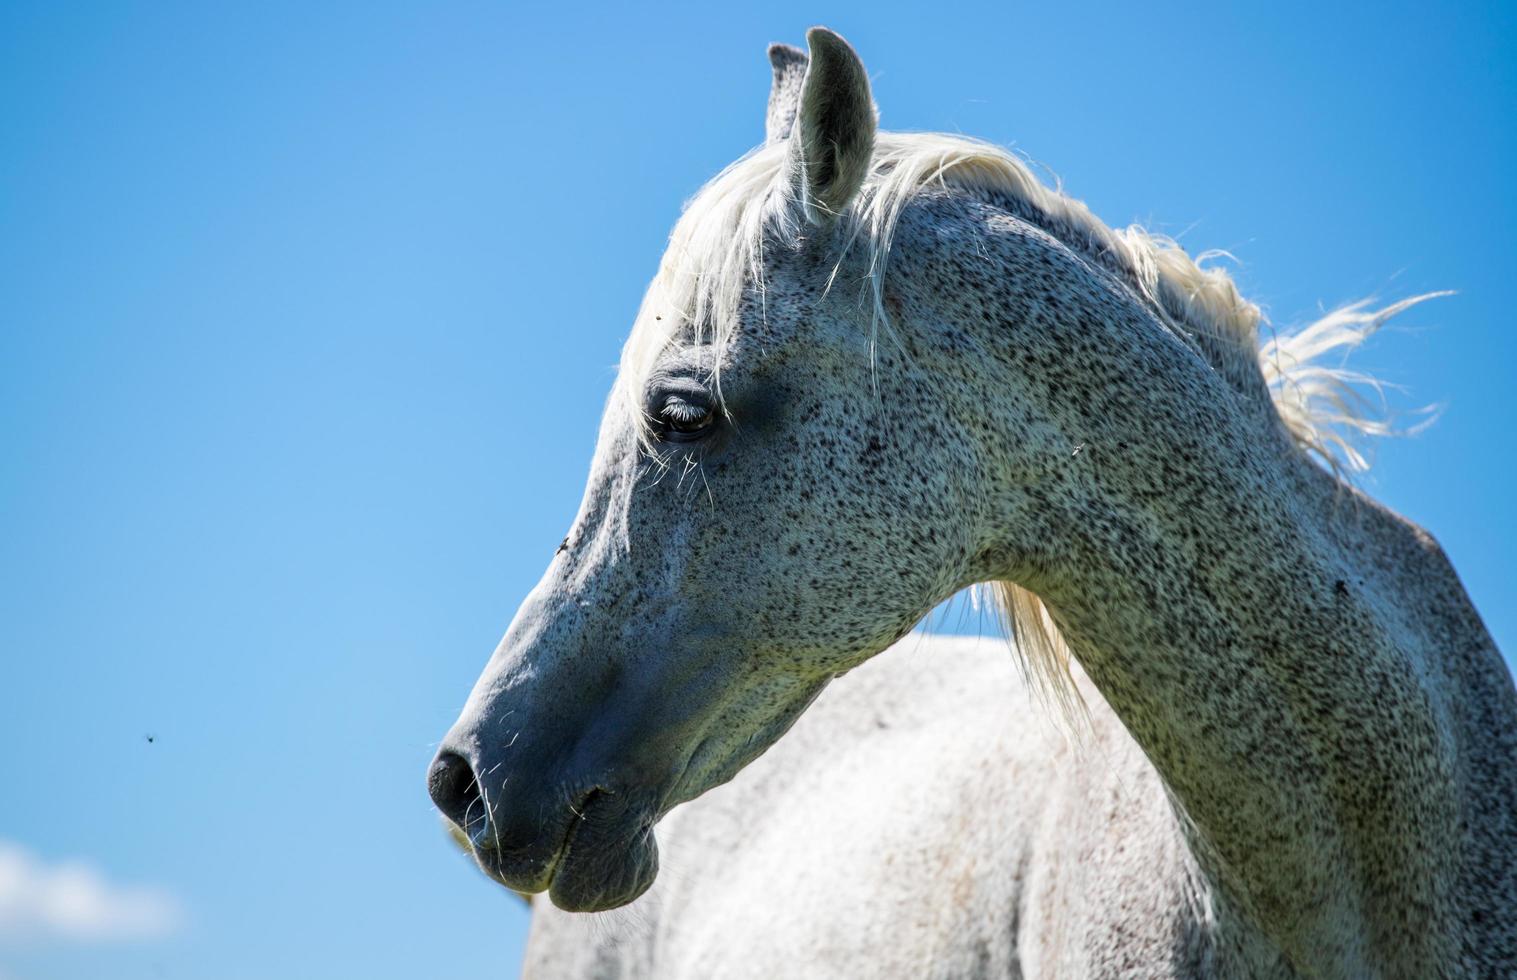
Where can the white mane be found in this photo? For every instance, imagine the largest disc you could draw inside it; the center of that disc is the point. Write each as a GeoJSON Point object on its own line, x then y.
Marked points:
{"type": "Point", "coordinates": [716, 253]}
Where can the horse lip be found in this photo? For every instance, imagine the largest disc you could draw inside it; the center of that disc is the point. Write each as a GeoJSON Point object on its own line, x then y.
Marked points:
{"type": "Point", "coordinates": [561, 854]}
{"type": "Point", "coordinates": [611, 867]}
{"type": "Point", "coordinates": [494, 862]}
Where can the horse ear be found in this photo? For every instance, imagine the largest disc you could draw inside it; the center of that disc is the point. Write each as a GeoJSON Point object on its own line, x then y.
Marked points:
{"type": "Point", "coordinates": [833, 138]}
{"type": "Point", "coordinates": [789, 65]}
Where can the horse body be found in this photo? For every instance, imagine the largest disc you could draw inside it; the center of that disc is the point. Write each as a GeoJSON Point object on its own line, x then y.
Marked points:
{"type": "Point", "coordinates": [918, 821]}
{"type": "Point", "coordinates": [873, 370]}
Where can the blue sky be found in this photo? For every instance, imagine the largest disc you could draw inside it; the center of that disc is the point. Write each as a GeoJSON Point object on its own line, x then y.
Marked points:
{"type": "Point", "coordinates": [307, 313]}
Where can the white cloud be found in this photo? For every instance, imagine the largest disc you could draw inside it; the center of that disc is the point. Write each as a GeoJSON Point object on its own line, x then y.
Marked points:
{"type": "Point", "coordinates": [72, 900]}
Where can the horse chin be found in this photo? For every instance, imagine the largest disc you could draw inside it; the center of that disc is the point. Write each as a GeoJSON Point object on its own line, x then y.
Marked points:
{"type": "Point", "coordinates": [609, 858]}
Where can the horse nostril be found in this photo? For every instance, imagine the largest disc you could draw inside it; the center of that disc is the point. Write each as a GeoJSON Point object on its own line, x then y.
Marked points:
{"type": "Point", "coordinates": [454, 789]}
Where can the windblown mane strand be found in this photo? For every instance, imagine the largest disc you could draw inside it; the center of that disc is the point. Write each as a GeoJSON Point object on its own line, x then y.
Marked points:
{"type": "Point", "coordinates": [716, 253]}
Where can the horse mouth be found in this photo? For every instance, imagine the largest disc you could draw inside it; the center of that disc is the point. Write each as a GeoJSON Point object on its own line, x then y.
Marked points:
{"type": "Point", "coordinates": [575, 822]}
{"type": "Point", "coordinates": [608, 857]}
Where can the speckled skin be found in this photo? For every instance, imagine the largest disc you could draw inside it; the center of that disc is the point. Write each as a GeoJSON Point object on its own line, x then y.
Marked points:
{"type": "Point", "coordinates": [922, 819]}
{"type": "Point", "coordinates": [1306, 741]}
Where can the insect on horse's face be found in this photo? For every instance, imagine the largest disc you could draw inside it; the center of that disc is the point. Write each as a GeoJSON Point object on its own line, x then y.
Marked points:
{"type": "Point", "coordinates": [758, 519]}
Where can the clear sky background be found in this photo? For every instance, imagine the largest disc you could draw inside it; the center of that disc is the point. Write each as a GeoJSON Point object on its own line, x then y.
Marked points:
{"type": "Point", "coordinates": [307, 313]}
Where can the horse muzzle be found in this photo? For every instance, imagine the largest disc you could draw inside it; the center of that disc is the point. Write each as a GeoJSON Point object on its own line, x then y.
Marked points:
{"type": "Point", "coordinates": [590, 850]}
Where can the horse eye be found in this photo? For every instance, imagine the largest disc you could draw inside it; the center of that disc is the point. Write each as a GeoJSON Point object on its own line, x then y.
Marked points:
{"type": "Point", "coordinates": [679, 417]}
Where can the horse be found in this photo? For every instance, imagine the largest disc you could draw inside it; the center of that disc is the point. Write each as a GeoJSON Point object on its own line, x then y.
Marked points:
{"type": "Point", "coordinates": [1259, 730]}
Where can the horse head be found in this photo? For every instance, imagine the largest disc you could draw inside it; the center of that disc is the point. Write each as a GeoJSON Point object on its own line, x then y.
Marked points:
{"type": "Point", "coordinates": [749, 529]}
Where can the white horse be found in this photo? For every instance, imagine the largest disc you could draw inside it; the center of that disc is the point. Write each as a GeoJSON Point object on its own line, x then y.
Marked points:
{"type": "Point", "coordinates": [875, 369]}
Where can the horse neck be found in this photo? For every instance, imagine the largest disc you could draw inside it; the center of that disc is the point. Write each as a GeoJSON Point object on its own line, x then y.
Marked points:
{"type": "Point", "coordinates": [1289, 655]}
{"type": "Point", "coordinates": [1294, 691]}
